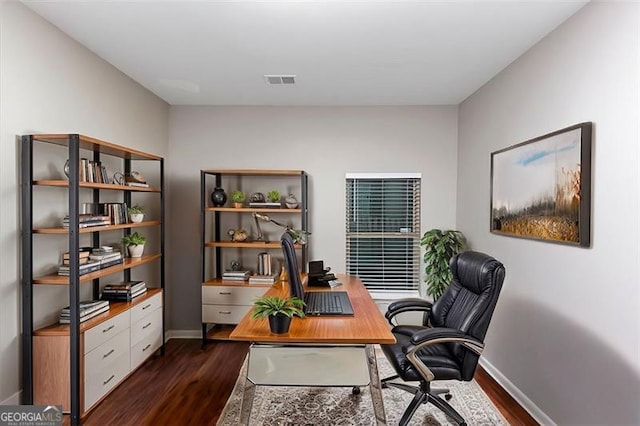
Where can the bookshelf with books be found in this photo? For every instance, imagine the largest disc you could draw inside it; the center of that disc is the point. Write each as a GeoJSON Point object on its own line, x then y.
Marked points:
{"type": "Point", "coordinates": [61, 359]}
{"type": "Point", "coordinates": [236, 271]}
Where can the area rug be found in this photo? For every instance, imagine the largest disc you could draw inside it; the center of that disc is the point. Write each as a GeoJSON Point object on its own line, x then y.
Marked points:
{"type": "Point", "coordinates": [288, 406]}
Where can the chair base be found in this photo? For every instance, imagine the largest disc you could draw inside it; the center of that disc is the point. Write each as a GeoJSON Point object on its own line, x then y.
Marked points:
{"type": "Point", "coordinates": [423, 394]}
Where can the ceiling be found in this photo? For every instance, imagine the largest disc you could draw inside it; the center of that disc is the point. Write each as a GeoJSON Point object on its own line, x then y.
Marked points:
{"type": "Point", "coordinates": [341, 52]}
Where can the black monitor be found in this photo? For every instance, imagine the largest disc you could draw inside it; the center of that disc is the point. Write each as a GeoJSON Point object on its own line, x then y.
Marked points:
{"type": "Point", "coordinates": [291, 262]}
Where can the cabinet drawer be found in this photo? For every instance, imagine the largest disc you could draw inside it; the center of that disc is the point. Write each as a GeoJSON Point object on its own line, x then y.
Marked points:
{"type": "Point", "coordinates": [102, 332]}
{"type": "Point", "coordinates": [98, 383]}
{"type": "Point", "coordinates": [143, 308]}
{"type": "Point", "coordinates": [105, 367]}
{"type": "Point", "coordinates": [149, 324]}
{"type": "Point", "coordinates": [231, 295]}
{"type": "Point", "coordinates": [108, 351]}
{"type": "Point", "coordinates": [143, 349]}
{"type": "Point", "coordinates": [223, 314]}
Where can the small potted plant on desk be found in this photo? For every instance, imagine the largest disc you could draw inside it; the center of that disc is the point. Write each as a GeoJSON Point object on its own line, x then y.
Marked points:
{"type": "Point", "coordinates": [135, 244]}
{"type": "Point", "coordinates": [238, 198]}
{"type": "Point", "coordinates": [136, 213]}
{"type": "Point", "coordinates": [280, 310]}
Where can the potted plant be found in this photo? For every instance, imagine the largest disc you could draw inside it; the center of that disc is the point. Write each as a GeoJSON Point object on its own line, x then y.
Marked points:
{"type": "Point", "coordinates": [280, 310]}
{"type": "Point", "coordinates": [440, 246]}
{"type": "Point", "coordinates": [135, 244]}
{"type": "Point", "coordinates": [136, 213]}
{"type": "Point", "coordinates": [273, 196]}
{"type": "Point", "coordinates": [238, 198]}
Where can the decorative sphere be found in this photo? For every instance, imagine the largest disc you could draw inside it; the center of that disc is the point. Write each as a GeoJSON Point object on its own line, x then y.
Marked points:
{"type": "Point", "coordinates": [218, 197]}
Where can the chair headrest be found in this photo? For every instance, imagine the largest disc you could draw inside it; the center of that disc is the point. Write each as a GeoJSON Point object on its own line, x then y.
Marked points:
{"type": "Point", "coordinates": [474, 270]}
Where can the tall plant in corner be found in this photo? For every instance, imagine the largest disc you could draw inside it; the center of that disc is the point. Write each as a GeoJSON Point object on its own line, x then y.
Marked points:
{"type": "Point", "coordinates": [440, 246]}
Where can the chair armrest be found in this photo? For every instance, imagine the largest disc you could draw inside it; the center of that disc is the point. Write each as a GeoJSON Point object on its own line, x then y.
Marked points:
{"type": "Point", "coordinates": [406, 305]}
{"type": "Point", "coordinates": [431, 336]}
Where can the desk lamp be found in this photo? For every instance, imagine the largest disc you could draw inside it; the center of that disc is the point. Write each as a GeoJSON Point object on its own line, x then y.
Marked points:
{"type": "Point", "coordinates": [299, 235]}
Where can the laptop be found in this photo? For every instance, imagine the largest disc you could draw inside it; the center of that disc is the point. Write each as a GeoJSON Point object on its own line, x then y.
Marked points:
{"type": "Point", "coordinates": [317, 302]}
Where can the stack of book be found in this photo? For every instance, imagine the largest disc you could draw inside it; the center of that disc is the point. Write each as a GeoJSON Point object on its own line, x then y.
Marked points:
{"type": "Point", "coordinates": [86, 263]}
{"type": "Point", "coordinates": [88, 220]}
{"type": "Point", "coordinates": [124, 291]}
{"type": "Point", "coordinates": [83, 256]}
{"type": "Point", "coordinates": [236, 275]}
{"type": "Point", "coordinates": [88, 309]}
{"type": "Point", "coordinates": [263, 279]}
{"type": "Point", "coordinates": [106, 256]}
{"type": "Point", "coordinates": [265, 205]}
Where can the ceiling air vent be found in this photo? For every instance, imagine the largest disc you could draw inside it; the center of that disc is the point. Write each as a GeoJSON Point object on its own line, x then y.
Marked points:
{"type": "Point", "coordinates": [280, 79]}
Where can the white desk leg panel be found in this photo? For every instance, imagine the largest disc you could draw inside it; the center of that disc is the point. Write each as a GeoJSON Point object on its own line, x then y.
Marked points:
{"type": "Point", "coordinates": [312, 365]}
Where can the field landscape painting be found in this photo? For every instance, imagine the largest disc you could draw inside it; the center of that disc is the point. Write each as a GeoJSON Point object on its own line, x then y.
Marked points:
{"type": "Point", "coordinates": [541, 188]}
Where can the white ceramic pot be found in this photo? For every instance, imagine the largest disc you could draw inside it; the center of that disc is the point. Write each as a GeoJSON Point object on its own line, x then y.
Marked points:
{"type": "Point", "coordinates": [136, 217]}
{"type": "Point", "coordinates": [136, 250]}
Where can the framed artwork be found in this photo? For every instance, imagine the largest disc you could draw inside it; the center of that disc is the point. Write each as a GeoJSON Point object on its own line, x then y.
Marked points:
{"type": "Point", "coordinates": [541, 188]}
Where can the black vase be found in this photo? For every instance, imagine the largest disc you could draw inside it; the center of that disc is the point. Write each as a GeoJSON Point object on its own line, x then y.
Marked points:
{"type": "Point", "coordinates": [218, 197]}
{"type": "Point", "coordinates": [279, 323]}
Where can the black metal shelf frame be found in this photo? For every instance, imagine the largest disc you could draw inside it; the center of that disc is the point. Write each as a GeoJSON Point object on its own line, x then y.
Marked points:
{"type": "Point", "coordinates": [74, 146]}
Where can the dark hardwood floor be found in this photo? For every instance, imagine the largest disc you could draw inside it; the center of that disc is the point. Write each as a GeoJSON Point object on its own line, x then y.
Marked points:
{"type": "Point", "coordinates": [190, 385]}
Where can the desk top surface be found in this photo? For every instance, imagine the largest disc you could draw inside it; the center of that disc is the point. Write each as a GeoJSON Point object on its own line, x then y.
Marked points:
{"type": "Point", "coordinates": [367, 325]}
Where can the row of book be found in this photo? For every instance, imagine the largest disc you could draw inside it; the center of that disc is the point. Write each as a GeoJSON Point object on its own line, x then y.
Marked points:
{"type": "Point", "coordinates": [91, 260]}
{"type": "Point", "coordinates": [93, 171]}
{"type": "Point", "coordinates": [88, 309]}
{"type": "Point", "coordinates": [88, 220]}
{"type": "Point", "coordinates": [124, 291]}
{"type": "Point", "coordinates": [116, 212]}
{"type": "Point", "coordinates": [259, 278]}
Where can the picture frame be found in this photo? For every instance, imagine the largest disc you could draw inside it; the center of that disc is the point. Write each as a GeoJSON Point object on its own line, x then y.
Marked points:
{"type": "Point", "coordinates": [541, 188]}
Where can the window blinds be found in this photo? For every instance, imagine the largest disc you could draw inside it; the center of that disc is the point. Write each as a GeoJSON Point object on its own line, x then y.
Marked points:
{"type": "Point", "coordinates": [383, 230]}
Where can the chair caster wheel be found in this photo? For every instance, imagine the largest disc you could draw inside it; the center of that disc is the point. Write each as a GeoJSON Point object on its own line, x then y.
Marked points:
{"type": "Point", "coordinates": [448, 397]}
{"type": "Point", "coordinates": [384, 385]}
{"type": "Point", "coordinates": [355, 390]}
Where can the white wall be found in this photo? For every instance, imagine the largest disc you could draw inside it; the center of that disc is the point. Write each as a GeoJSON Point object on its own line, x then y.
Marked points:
{"type": "Point", "coordinates": [51, 84]}
{"type": "Point", "coordinates": [566, 331]}
{"type": "Point", "coordinates": [326, 142]}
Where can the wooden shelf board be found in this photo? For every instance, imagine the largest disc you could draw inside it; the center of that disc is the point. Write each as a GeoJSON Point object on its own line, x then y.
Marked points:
{"type": "Point", "coordinates": [115, 308]}
{"type": "Point", "coordinates": [97, 145]}
{"type": "Point", "coordinates": [252, 210]}
{"type": "Point", "coordinates": [97, 228]}
{"type": "Point", "coordinates": [220, 281]}
{"type": "Point", "coordinates": [255, 172]}
{"type": "Point", "coordinates": [250, 244]}
{"type": "Point", "coordinates": [129, 262]}
{"type": "Point", "coordinates": [110, 186]}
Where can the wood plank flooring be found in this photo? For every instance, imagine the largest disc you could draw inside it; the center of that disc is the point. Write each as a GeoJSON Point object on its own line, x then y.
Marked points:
{"type": "Point", "coordinates": [188, 386]}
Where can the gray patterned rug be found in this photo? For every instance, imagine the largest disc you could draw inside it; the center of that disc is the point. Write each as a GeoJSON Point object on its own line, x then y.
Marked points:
{"type": "Point", "coordinates": [281, 405]}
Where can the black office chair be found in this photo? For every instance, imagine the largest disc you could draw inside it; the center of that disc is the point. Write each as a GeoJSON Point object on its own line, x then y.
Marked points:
{"type": "Point", "coordinates": [449, 343]}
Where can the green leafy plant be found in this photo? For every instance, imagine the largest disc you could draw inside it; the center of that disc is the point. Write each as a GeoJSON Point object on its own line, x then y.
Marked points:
{"type": "Point", "coordinates": [440, 246]}
{"type": "Point", "coordinates": [272, 305]}
{"type": "Point", "coordinates": [137, 209]}
{"type": "Point", "coordinates": [273, 196]}
{"type": "Point", "coordinates": [133, 239]}
{"type": "Point", "coordinates": [238, 196]}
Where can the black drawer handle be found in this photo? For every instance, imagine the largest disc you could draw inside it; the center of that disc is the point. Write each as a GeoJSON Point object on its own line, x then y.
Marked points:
{"type": "Point", "coordinates": [146, 306]}
{"type": "Point", "coordinates": [145, 326]}
{"type": "Point", "coordinates": [225, 293]}
{"type": "Point", "coordinates": [108, 353]}
{"type": "Point", "coordinates": [109, 379]}
{"type": "Point", "coordinates": [225, 312]}
{"type": "Point", "coordinates": [108, 328]}
{"type": "Point", "coordinates": [146, 347]}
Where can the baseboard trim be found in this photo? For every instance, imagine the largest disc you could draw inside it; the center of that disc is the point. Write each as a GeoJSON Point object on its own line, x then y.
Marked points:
{"type": "Point", "coordinates": [13, 399]}
{"type": "Point", "coordinates": [183, 334]}
{"type": "Point", "coordinates": [516, 393]}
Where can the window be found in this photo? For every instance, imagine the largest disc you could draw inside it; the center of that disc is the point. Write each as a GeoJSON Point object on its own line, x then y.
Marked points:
{"type": "Point", "coordinates": [383, 231]}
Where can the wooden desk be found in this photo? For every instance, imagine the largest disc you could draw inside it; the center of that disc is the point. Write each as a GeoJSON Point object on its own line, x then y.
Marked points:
{"type": "Point", "coordinates": [333, 344]}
